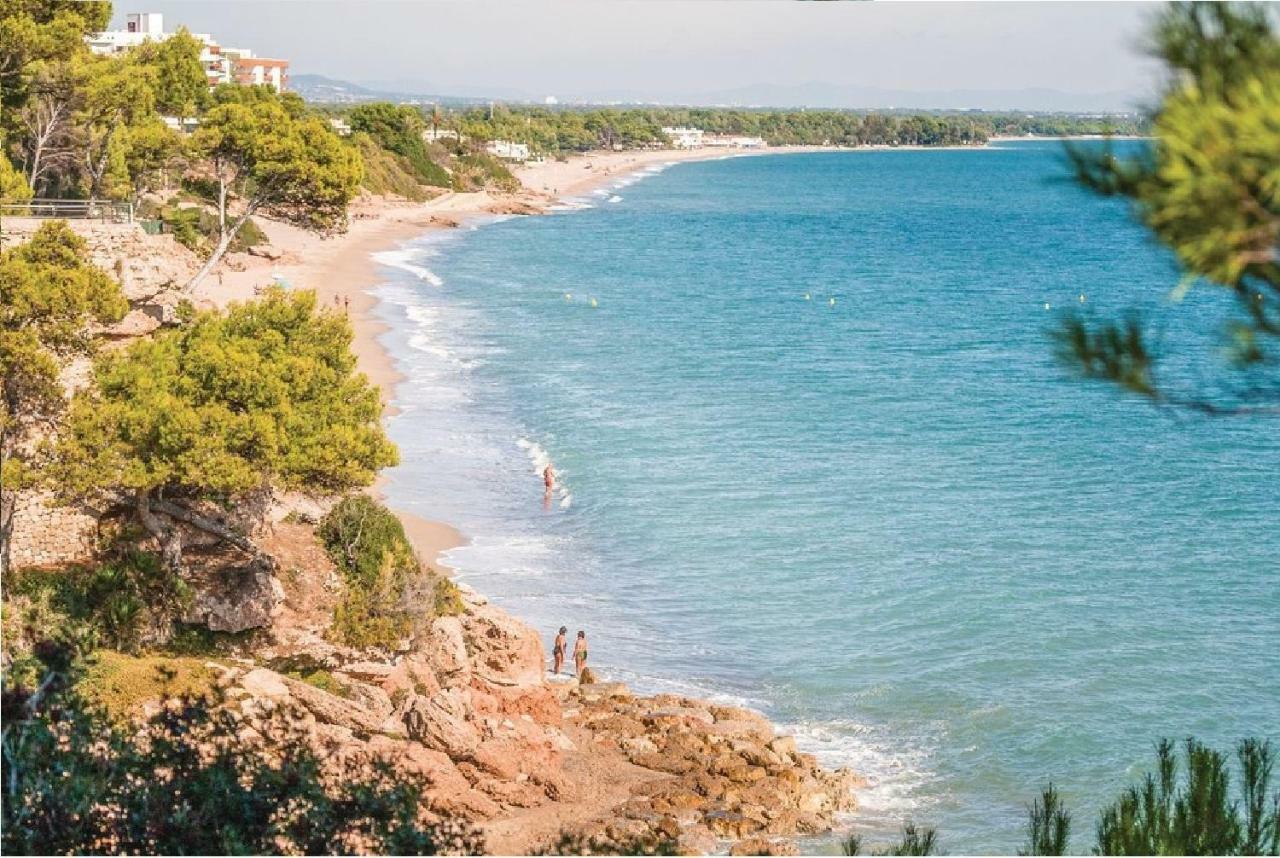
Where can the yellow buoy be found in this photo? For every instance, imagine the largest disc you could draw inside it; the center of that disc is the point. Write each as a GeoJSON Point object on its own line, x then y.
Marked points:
{"type": "Point", "coordinates": [1046, 305]}
{"type": "Point", "coordinates": [1081, 297]}
{"type": "Point", "coordinates": [806, 297]}
{"type": "Point", "coordinates": [832, 302]}
{"type": "Point", "coordinates": [568, 297]}
{"type": "Point", "coordinates": [593, 303]}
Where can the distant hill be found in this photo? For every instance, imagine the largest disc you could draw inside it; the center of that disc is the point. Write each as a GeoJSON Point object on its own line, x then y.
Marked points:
{"type": "Point", "coordinates": [816, 95]}
{"type": "Point", "coordinates": [326, 90]}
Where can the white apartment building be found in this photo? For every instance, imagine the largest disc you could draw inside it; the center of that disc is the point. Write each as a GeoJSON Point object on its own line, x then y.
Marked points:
{"type": "Point", "coordinates": [221, 64]}
{"type": "Point", "coordinates": [684, 138]}
{"type": "Point", "coordinates": [508, 151]}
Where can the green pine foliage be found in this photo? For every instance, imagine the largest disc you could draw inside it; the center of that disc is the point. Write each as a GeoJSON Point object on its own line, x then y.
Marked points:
{"type": "Point", "coordinates": [1048, 825]}
{"type": "Point", "coordinates": [1191, 810]}
{"type": "Point", "coordinates": [263, 394]}
{"type": "Point", "coordinates": [1209, 190]}
{"type": "Point", "coordinates": [49, 296]}
{"type": "Point", "coordinates": [914, 841]}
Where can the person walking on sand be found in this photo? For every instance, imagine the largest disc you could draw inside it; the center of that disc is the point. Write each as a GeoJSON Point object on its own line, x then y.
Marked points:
{"type": "Point", "coordinates": [557, 651]}
{"type": "Point", "coordinates": [580, 653]}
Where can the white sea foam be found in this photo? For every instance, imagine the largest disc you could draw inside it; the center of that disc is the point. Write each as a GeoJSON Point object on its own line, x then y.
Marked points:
{"type": "Point", "coordinates": [615, 199]}
{"type": "Point", "coordinates": [895, 771]}
{"type": "Point", "coordinates": [405, 259]}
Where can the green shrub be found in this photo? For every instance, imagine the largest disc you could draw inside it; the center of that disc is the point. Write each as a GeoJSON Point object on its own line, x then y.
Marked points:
{"type": "Point", "coordinates": [195, 639]}
{"type": "Point", "coordinates": [369, 546]}
{"type": "Point", "coordinates": [189, 781]}
{"type": "Point", "coordinates": [386, 173]}
{"type": "Point", "coordinates": [125, 603]}
{"type": "Point", "coordinates": [448, 599]}
{"type": "Point", "coordinates": [480, 170]}
{"type": "Point", "coordinates": [398, 129]}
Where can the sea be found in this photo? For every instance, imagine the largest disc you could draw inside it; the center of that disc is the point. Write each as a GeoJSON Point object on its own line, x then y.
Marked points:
{"type": "Point", "coordinates": [816, 456]}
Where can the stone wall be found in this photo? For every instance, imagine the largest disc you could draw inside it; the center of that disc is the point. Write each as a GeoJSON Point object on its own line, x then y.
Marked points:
{"type": "Point", "coordinates": [46, 535]}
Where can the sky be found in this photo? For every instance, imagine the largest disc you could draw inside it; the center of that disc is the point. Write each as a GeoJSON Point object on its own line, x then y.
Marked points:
{"type": "Point", "coordinates": [702, 51]}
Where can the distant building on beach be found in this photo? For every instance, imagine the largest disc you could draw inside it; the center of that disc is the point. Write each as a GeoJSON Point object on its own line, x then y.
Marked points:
{"type": "Point", "coordinates": [221, 64]}
{"type": "Point", "coordinates": [435, 135]}
{"type": "Point", "coordinates": [507, 150]}
{"type": "Point", "coordinates": [684, 138]}
{"type": "Point", "coordinates": [729, 141]}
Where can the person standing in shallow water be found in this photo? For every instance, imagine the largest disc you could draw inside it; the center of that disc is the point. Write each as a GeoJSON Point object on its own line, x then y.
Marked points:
{"type": "Point", "coordinates": [580, 653]}
{"type": "Point", "coordinates": [557, 651]}
{"type": "Point", "coordinates": [549, 481]}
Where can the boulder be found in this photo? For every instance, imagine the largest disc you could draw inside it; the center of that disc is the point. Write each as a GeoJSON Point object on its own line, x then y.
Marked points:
{"type": "Point", "coordinates": [235, 600]}
{"type": "Point", "coordinates": [440, 722]}
{"type": "Point", "coordinates": [503, 650]}
{"type": "Point", "coordinates": [331, 709]}
{"type": "Point", "coordinates": [445, 648]}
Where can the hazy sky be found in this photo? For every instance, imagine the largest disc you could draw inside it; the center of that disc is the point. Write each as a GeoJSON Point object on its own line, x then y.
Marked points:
{"type": "Point", "coordinates": [669, 48]}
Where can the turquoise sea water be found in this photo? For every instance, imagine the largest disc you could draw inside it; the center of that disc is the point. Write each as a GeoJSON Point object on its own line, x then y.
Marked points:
{"type": "Point", "coordinates": [893, 523]}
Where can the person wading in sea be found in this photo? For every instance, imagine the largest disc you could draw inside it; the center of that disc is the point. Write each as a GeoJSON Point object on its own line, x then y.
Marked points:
{"type": "Point", "coordinates": [580, 653]}
{"type": "Point", "coordinates": [548, 480]}
{"type": "Point", "coordinates": [557, 651]}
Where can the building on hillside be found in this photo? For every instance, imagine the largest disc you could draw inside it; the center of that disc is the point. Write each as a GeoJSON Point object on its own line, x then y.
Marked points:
{"type": "Point", "coordinates": [684, 138]}
{"type": "Point", "coordinates": [435, 135]}
{"type": "Point", "coordinates": [730, 141]}
{"type": "Point", "coordinates": [221, 64]}
{"type": "Point", "coordinates": [340, 126]}
{"type": "Point", "coordinates": [507, 150]}
{"type": "Point", "coordinates": [184, 124]}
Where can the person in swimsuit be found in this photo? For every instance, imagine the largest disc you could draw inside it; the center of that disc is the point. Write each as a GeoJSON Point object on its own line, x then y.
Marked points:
{"type": "Point", "coordinates": [549, 481]}
{"type": "Point", "coordinates": [557, 651]}
{"type": "Point", "coordinates": [580, 653]}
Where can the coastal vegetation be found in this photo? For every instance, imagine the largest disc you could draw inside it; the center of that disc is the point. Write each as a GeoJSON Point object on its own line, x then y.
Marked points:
{"type": "Point", "coordinates": [265, 394]}
{"type": "Point", "coordinates": [386, 589]}
{"type": "Point", "coordinates": [563, 130]}
{"type": "Point", "coordinates": [274, 156]}
{"type": "Point", "coordinates": [190, 780]}
{"type": "Point", "coordinates": [1207, 190]}
{"type": "Point", "coordinates": [399, 130]}
{"type": "Point", "coordinates": [52, 296]}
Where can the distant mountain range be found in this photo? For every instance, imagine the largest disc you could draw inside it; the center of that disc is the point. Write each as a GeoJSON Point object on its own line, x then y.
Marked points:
{"type": "Point", "coordinates": [323, 89]}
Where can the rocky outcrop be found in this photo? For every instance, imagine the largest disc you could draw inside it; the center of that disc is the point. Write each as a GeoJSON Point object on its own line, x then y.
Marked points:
{"type": "Point", "coordinates": [728, 776]}
{"type": "Point", "coordinates": [233, 598]}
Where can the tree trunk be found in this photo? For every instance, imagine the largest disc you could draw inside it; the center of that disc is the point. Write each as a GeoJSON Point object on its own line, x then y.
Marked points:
{"type": "Point", "coordinates": [223, 243]}
{"type": "Point", "coordinates": [8, 502]}
{"type": "Point", "coordinates": [169, 538]}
